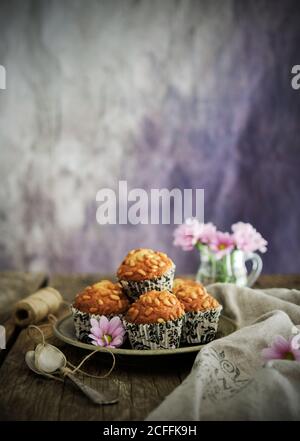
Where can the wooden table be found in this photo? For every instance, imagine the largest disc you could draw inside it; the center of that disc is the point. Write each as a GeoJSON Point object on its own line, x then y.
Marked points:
{"type": "Point", "coordinates": [141, 384]}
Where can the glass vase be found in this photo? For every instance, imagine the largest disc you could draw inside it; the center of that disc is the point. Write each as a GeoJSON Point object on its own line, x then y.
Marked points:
{"type": "Point", "coordinates": [231, 268]}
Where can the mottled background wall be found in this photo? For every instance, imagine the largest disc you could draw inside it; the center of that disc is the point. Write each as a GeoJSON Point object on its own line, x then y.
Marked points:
{"type": "Point", "coordinates": [188, 94]}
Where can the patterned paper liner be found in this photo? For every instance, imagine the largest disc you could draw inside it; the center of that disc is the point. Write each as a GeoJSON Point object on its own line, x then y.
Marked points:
{"type": "Point", "coordinates": [200, 327]}
{"type": "Point", "coordinates": [82, 323]}
{"type": "Point", "coordinates": [154, 335]}
{"type": "Point", "coordinates": [134, 288]}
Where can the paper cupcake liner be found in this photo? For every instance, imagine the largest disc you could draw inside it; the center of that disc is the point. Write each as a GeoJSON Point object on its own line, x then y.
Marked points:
{"type": "Point", "coordinates": [155, 335]}
{"type": "Point", "coordinates": [134, 289]}
{"type": "Point", "coordinates": [200, 327]}
{"type": "Point", "coordinates": [82, 323]}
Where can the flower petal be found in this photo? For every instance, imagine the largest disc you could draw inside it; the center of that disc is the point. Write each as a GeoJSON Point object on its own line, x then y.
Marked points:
{"type": "Point", "coordinates": [281, 344]}
{"type": "Point", "coordinates": [118, 332]}
{"type": "Point", "coordinates": [116, 342]}
{"type": "Point", "coordinates": [100, 342]}
{"type": "Point", "coordinates": [114, 323]}
{"type": "Point", "coordinates": [96, 331]}
{"type": "Point", "coordinates": [103, 324]}
{"type": "Point", "coordinates": [295, 342]}
{"type": "Point", "coordinates": [94, 323]}
{"type": "Point", "coordinates": [271, 354]}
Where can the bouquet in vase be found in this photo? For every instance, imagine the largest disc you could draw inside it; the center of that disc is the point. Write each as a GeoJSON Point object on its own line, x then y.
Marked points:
{"type": "Point", "coordinates": [223, 255]}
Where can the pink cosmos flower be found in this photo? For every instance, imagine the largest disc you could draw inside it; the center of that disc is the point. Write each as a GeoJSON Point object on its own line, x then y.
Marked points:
{"type": "Point", "coordinates": [191, 232]}
{"type": "Point", "coordinates": [247, 238]}
{"type": "Point", "coordinates": [208, 233]}
{"type": "Point", "coordinates": [105, 332]}
{"type": "Point", "coordinates": [281, 349]}
{"type": "Point", "coordinates": [222, 244]}
{"type": "Point", "coordinates": [187, 235]}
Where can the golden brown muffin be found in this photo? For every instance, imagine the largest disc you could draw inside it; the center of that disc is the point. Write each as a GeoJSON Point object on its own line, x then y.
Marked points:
{"type": "Point", "coordinates": [181, 283]}
{"type": "Point", "coordinates": [144, 264]}
{"type": "Point", "coordinates": [104, 297]}
{"type": "Point", "coordinates": [155, 307]}
{"type": "Point", "coordinates": [194, 297]}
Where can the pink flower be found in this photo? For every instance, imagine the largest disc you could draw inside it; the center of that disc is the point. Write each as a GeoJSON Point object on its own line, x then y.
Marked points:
{"type": "Point", "coordinates": [222, 244]}
{"type": "Point", "coordinates": [247, 238]}
{"type": "Point", "coordinates": [191, 232]}
{"type": "Point", "coordinates": [208, 233]}
{"type": "Point", "coordinates": [281, 349]}
{"type": "Point", "coordinates": [105, 332]}
{"type": "Point", "coordinates": [187, 235]}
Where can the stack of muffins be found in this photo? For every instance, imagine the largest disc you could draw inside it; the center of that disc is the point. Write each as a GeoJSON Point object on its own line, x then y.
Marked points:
{"type": "Point", "coordinates": [157, 311]}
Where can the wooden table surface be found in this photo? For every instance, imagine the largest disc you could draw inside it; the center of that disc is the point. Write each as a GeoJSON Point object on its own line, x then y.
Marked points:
{"type": "Point", "coordinates": [141, 384]}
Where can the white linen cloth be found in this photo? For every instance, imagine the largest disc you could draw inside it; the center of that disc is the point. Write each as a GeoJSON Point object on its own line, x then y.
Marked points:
{"type": "Point", "coordinates": [229, 379]}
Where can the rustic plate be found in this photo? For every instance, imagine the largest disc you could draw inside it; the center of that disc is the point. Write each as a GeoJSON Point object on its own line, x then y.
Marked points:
{"type": "Point", "coordinates": [64, 330]}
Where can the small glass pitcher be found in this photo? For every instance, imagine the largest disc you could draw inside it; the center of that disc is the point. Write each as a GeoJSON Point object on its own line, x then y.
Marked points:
{"type": "Point", "coordinates": [231, 268]}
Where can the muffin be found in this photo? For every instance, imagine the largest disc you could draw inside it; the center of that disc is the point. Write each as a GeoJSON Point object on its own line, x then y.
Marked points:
{"type": "Point", "coordinates": [145, 270]}
{"type": "Point", "coordinates": [154, 321]}
{"type": "Point", "coordinates": [202, 312]}
{"type": "Point", "coordinates": [102, 298]}
{"type": "Point", "coordinates": [181, 283]}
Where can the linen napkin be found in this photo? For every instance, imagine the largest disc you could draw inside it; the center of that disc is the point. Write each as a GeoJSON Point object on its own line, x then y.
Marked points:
{"type": "Point", "coordinates": [229, 379]}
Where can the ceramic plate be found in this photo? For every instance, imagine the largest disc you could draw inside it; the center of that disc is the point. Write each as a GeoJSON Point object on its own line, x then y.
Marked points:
{"type": "Point", "coordinates": [65, 331]}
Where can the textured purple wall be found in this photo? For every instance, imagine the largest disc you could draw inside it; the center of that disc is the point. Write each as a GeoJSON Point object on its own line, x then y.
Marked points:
{"type": "Point", "coordinates": [192, 94]}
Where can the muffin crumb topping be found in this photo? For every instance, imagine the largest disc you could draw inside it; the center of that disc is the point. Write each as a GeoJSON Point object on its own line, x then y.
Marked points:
{"type": "Point", "coordinates": [103, 297]}
{"type": "Point", "coordinates": [193, 295]}
{"type": "Point", "coordinates": [143, 263]}
{"type": "Point", "coordinates": [155, 307]}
